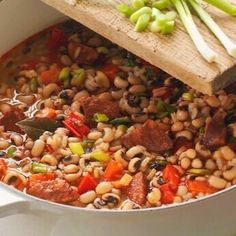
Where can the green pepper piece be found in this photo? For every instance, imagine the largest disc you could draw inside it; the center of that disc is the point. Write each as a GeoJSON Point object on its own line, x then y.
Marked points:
{"type": "Point", "coordinates": [135, 16]}
{"type": "Point", "coordinates": [100, 117]}
{"type": "Point", "coordinates": [199, 171]}
{"type": "Point", "coordinates": [34, 84]}
{"type": "Point", "coordinates": [64, 74]}
{"type": "Point", "coordinates": [121, 121]}
{"type": "Point", "coordinates": [79, 76]}
{"type": "Point", "coordinates": [125, 9]}
{"type": "Point", "coordinates": [142, 23]}
{"type": "Point", "coordinates": [38, 168]}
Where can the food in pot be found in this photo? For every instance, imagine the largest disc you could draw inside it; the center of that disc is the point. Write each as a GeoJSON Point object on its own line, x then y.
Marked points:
{"type": "Point", "coordinates": [85, 123]}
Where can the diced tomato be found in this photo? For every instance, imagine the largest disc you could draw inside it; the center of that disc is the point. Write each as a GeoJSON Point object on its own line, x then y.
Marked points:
{"type": "Point", "coordinates": [75, 124]}
{"type": "Point", "coordinates": [86, 184]}
{"type": "Point", "coordinates": [57, 38]}
{"type": "Point", "coordinates": [3, 168]}
{"type": "Point", "coordinates": [167, 196]}
{"type": "Point", "coordinates": [49, 148]}
{"type": "Point", "coordinates": [113, 171]}
{"type": "Point", "coordinates": [110, 70]}
{"type": "Point", "coordinates": [196, 187]}
{"type": "Point", "coordinates": [34, 178]}
{"type": "Point", "coordinates": [47, 113]}
{"type": "Point", "coordinates": [30, 64]}
{"type": "Point", "coordinates": [171, 176]}
{"type": "Point", "coordinates": [50, 76]}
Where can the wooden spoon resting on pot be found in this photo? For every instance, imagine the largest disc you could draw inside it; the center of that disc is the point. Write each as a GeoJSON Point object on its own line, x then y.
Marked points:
{"type": "Point", "coordinates": [174, 53]}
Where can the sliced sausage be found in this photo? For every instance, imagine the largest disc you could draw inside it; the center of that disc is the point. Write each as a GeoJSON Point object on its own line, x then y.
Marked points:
{"type": "Point", "coordinates": [137, 190]}
{"type": "Point", "coordinates": [92, 105]}
{"type": "Point", "coordinates": [151, 135]}
{"type": "Point", "coordinates": [57, 190]}
{"type": "Point", "coordinates": [10, 119]}
{"type": "Point", "coordinates": [82, 54]}
{"type": "Point", "coordinates": [215, 131]}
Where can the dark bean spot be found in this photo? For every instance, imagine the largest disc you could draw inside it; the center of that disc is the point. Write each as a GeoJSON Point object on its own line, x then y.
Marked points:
{"type": "Point", "coordinates": [12, 180]}
{"type": "Point", "coordinates": [67, 158]}
{"type": "Point", "coordinates": [133, 100]}
{"type": "Point", "coordinates": [2, 153]}
{"type": "Point", "coordinates": [161, 181]}
{"type": "Point", "coordinates": [158, 164]}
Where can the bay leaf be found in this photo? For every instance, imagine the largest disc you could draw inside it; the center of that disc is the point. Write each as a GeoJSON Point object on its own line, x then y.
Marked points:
{"type": "Point", "coordinates": [35, 127]}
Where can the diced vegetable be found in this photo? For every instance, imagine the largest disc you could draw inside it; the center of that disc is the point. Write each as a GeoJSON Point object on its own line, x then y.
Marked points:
{"type": "Point", "coordinates": [38, 168]}
{"type": "Point", "coordinates": [50, 76]}
{"type": "Point", "coordinates": [125, 9]}
{"type": "Point", "coordinates": [75, 124]}
{"type": "Point", "coordinates": [142, 23]}
{"type": "Point", "coordinates": [64, 73]}
{"type": "Point", "coordinates": [113, 171]}
{"type": "Point", "coordinates": [164, 109]}
{"type": "Point", "coordinates": [167, 196]}
{"type": "Point", "coordinates": [187, 97]}
{"type": "Point", "coordinates": [111, 71]}
{"type": "Point", "coordinates": [135, 16]}
{"type": "Point", "coordinates": [3, 168]}
{"type": "Point", "coordinates": [199, 171]}
{"type": "Point", "coordinates": [100, 156]}
{"type": "Point", "coordinates": [11, 150]}
{"type": "Point", "coordinates": [76, 148]}
{"type": "Point", "coordinates": [103, 50]}
{"type": "Point", "coordinates": [34, 84]}
{"type": "Point", "coordinates": [57, 38]}
{"type": "Point", "coordinates": [171, 176]}
{"type": "Point", "coordinates": [79, 76]}
{"type": "Point", "coordinates": [34, 178]}
{"type": "Point", "coordinates": [161, 4]}
{"type": "Point", "coordinates": [126, 179]}
{"type": "Point", "coordinates": [100, 117]}
{"type": "Point", "coordinates": [121, 121]}
{"type": "Point", "coordinates": [86, 184]}
{"type": "Point", "coordinates": [196, 187]}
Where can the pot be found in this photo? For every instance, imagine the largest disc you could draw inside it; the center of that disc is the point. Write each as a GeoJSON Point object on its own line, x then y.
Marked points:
{"type": "Point", "coordinates": [210, 216]}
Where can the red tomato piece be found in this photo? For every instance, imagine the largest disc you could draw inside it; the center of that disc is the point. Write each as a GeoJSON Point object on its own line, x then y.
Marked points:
{"type": "Point", "coordinates": [171, 176]}
{"type": "Point", "coordinates": [34, 178]}
{"type": "Point", "coordinates": [196, 187]}
{"type": "Point", "coordinates": [50, 76]}
{"type": "Point", "coordinates": [110, 70]}
{"type": "Point", "coordinates": [167, 196]}
{"type": "Point", "coordinates": [86, 184]}
{"type": "Point", "coordinates": [3, 168]}
{"type": "Point", "coordinates": [57, 38]}
{"type": "Point", "coordinates": [113, 171]}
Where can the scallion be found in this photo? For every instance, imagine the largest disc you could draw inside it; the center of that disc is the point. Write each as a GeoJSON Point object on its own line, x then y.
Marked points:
{"type": "Point", "coordinates": [38, 168]}
{"type": "Point", "coordinates": [76, 148]}
{"type": "Point", "coordinates": [100, 117]}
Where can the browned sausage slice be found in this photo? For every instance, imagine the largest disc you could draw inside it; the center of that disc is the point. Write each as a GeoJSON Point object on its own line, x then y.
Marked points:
{"type": "Point", "coordinates": [215, 132]}
{"type": "Point", "coordinates": [151, 135]}
{"type": "Point", "coordinates": [137, 190]}
{"type": "Point", "coordinates": [57, 190]}
{"type": "Point", "coordinates": [92, 105]}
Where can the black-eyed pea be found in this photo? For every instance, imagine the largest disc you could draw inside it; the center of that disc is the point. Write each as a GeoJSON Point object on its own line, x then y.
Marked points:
{"type": "Point", "coordinates": [81, 94]}
{"type": "Point", "coordinates": [117, 94]}
{"type": "Point", "coordinates": [230, 174]}
{"type": "Point", "coordinates": [120, 83]}
{"type": "Point", "coordinates": [199, 122]}
{"type": "Point", "coordinates": [197, 163]}
{"type": "Point", "coordinates": [182, 115]}
{"type": "Point", "coordinates": [134, 151]}
{"type": "Point", "coordinates": [71, 177]}
{"type": "Point", "coordinates": [137, 88]}
{"type": "Point", "coordinates": [109, 135]}
{"type": "Point", "coordinates": [38, 148]}
{"type": "Point", "coordinates": [111, 199]}
{"type": "Point", "coordinates": [105, 96]}
{"type": "Point", "coordinates": [94, 135]}
{"type": "Point", "coordinates": [103, 187]}
{"type": "Point", "coordinates": [4, 144]}
{"type": "Point", "coordinates": [177, 126]}
{"type": "Point", "coordinates": [210, 164]}
{"type": "Point", "coordinates": [15, 179]}
{"type": "Point", "coordinates": [134, 165]}
{"type": "Point", "coordinates": [144, 163]}
{"type": "Point", "coordinates": [50, 89]}
{"type": "Point", "coordinates": [154, 196]}
{"type": "Point", "coordinates": [202, 151]}
{"type": "Point", "coordinates": [129, 205]}
{"type": "Point", "coordinates": [87, 197]}
{"type": "Point", "coordinates": [49, 159]}
{"type": "Point", "coordinates": [185, 134]}
{"type": "Point", "coordinates": [217, 182]}
{"type": "Point", "coordinates": [227, 153]}
{"type": "Point", "coordinates": [182, 190]}
{"type": "Point", "coordinates": [185, 163]}
{"type": "Point", "coordinates": [213, 101]}
{"type": "Point", "coordinates": [70, 169]}
{"type": "Point", "coordinates": [101, 80]}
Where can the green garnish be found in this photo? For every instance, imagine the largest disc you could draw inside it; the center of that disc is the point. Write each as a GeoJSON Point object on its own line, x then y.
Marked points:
{"type": "Point", "coordinates": [164, 109]}
{"type": "Point", "coordinates": [38, 168]}
{"type": "Point", "coordinates": [121, 121]}
{"type": "Point", "coordinates": [11, 150]}
{"type": "Point", "coordinates": [100, 117]}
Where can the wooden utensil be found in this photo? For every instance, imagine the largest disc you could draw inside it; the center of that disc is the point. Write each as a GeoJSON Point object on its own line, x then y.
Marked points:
{"type": "Point", "coordinates": [174, 53]}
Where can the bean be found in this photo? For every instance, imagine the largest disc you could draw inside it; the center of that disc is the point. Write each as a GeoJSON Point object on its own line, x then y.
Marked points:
{"type": "Point", "coordinates": [185, 163]}
{"type": "Point", "coordinates": [136, 150]}
{"type": "Point", "coordinates": [230, 174]}
{"type": "Point", "coordinates": [182, 115]}
{"type": "Point", "coordinates": [15, 179]}
{"type": "Point", "coordinates": [4, 108]}
{"type": "Point", "coordinates": [177, 126]}
{"type": "Point", "coordinates": [217, 182]}
{"type": "Point", "coordinates": [120, 83]}
{"type": "Point", "coordinates": [105, 96]}
{"type": "Point", "coordinates": [49, 89]}
{"type": "Point", "coordinates": [109, 135]}
{"type": "Point", "coordinates": [213, 101]}
{"type": "Point", "coordinates": [87, 197]}
{"type": "Point", "coordinates": [71, 169]}
{"type": "Point", "coordinates": [38, 148]}
{"type": "Point", "coordinates": [154, 196]}
{"type": "Point", "coordinates": [137, 88]}
{"type": "Point", "coordinates": [94, 135]}
{"type": "Point", "coordinates": [177, 199]}
{"type": "Point", "coordinates": [103, 187]}
{"type": "Point", "coordinates": [196, 163]}
{"type": "Point", "coordinates": [49, 159]}
{"type": "Point", "coordinates": [4, 144]}
{"type": "Point", "coordinates": [201, 150]}
{"type": "Point", "coordinates": [182, 190]}
{"type": "Point", "coordinates": [79, 95]}
{"type": "Point", "coordinates": [134, 80]}
{"type": "Point", "coordinates": [191, 153]}
{"type": "Point", "coordinates": [139, 118]}
{"type": "Point", "coordinates": [134, 164]}
{"type": "Point", "coordinates": [27, 99]}
{"type": "Point", "coordinates": [71, 177]}
{"type": "Point", "coordinates": [227, 153]}
{"type": "Point", "coordinates": [102, 80]}
{"type": "Point", "coordinates": [65, 59]}
{"type": "Point", "coordinates": [117, 94]}
{"type": "Point", "coordinates": [16, 139]}
{"type": "Point", "coordinates": [210, 164]}
{"type": "Point", "coordinates": [185, 133]}
{"type": "Point", "coordinates": [199, 122]}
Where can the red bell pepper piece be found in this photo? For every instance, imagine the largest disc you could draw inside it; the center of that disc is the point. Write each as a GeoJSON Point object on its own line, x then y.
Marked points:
{"type": "Point", "coordinates": [113, 171]}
{"type": "Point", "coordinates": [57, 38]}
{"type": "Point", "coordinates": [196, 187]}
{"type": "Point", "coordinates": [110, 70]}
{"type": "Point", "coordinates": [50, 76]}
{"type": "Point", "coordinates": [35, 178]}
{"type": "Point", "coordinates": [75, 124]}
{"type": "Point", "coordinates": [87, 183]}
{"type": "Point", "coordinates": [3, 168]}
{"type": "Point", "coordinates": [167, 196]}
{"type": "Point", "coordinates": [49, 148]}
{"type": "Point", "coordinates": [171, 176]}
{"type": "Point", "coordinates": [47, 113]}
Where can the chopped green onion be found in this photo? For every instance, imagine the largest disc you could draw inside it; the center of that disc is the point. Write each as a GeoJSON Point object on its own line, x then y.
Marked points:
{"type": "Point", "coordinates": [11, 150]}
{"type": "Point", "coordinates": [155, 13]}
{"type": "Point", "coordinates": [102, 50]}
{"type": "Point", "coordinates": [195, 35]}
{"type": "Point", "coordinates": [161, 4]}
{"type": "Point", "coordinates": [135, 16]}
{"type": "Point", "coordinates": [38, 168]}
{"type": "Point", "coordinates": [224, 5]}
{"type": "Point", "coordinates": [78, 76]}
{"type": "Point", "coordinates": [187, 97]}
{"type": "Point", "coordinates": [168, 27]}
{"type": "Point", "coordinates": [223, 38]}
{"type": "Point", "coordinates": [76, 148]}
{"type": "Point", "coordinates": [100, 117]}
{"type": "Point", "coordinates": [163, 107]}
{"type": "Point", "coordinates": [137, 4]}
{"type": "Point", "coordinates": [142, 23]}
{"type": "Point", "coordinates": [100, 156]}
{"type": "Point", "coordinates": [121, 121]}
{"type": "Point", "coordinates": [125, 9]}
{"type": "Point", "coordinates": [64, 73]}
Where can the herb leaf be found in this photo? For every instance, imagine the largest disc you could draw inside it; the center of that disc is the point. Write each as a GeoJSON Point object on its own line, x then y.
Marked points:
{"type": "Point", "coordinates": [35, 127]}
{"type": "Point", "coordinates": [164, 109]}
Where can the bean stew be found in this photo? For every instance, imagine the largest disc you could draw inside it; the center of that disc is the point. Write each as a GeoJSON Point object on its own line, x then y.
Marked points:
{"type": "Point", "coordinates": [85, 123]}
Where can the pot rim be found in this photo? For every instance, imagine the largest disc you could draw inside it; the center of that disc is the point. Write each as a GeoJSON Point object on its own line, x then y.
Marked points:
{"type": "Point", "coordinates": [58, 206]}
